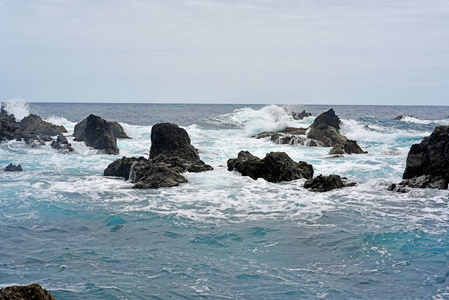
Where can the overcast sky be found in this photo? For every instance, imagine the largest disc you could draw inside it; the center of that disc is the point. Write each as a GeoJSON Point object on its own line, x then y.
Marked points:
{"type": "Point", "coordinates": [228, 51]}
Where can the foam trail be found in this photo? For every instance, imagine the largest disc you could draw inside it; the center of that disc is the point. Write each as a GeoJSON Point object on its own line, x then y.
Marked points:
{"type": "Point", "coordinates": [17, 107]}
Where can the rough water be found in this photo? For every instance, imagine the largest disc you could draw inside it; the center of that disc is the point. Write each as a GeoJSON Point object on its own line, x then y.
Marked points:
{"type": "Point", "coordinates": [223, 236]}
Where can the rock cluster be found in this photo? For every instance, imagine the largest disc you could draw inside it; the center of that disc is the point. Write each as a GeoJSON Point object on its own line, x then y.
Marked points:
{"type": "Point", "coordinates": [301, 115]}
{"type": "Point", "coordinates": [275, 167]}
{"type": "Point", "coordinates": [99, 134]}
{"type": "Point", "coordinates": [33, 291]}
{"type": "Point", "coordinates": [32, 129]}
{"type": "Point", "coordinates": [171, 154]}
{"type": "Point", "coordinates": [427, 163]}
{"type": "Point", "coordinates": [324, 132]}
{"type": "Point", "coordinates": [13, 168]}
{"type": "Point", "coordinates": [327, 183]}
{"type": "Point", "coordinates": [62, 144]}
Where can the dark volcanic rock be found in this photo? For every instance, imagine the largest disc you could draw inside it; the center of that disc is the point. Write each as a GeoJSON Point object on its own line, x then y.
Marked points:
{"type": "Point", "coordinates": [171, 155]}
{"type": "Point", "coordinates": [117, 130]}
{"type": "Point", "coordinates": [301, 115]}
{"type": "Point", "coordinates": [62, 144]}
{"type": "Point", "coordinates": [427, 163]}
{"type": "Point", "coordinates": [325, 129]}
{"type": "Point", "coordinates": [13, 168]}
{"type": "Point", "coordinates": [160, 175]}
{"type": "Point", "coordinates": [171, 140]}
{"type": "Point", "coordinates": [423, 181]}
{"type": "Point", "coordinates": [348, 147]}
{"type": "Point", "coordinates": [33, 291]}
{"type": "Point", "coordinates": [97, 133]}
{"type": "Point", "coordinates": [275, 167]}
{"type": "Point", "coordinates": [327, 183]}
{"type": "Point", "coordinates": [34, 123]}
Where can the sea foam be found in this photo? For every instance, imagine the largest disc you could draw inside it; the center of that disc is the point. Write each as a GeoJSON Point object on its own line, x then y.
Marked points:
{"type": "Point", "coordinates": [18, 107]}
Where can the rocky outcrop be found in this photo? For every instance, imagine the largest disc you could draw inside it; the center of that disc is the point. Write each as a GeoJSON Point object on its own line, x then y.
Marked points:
{"type": "Point", "coordinates": [301, 115]}
{"type": "Point", "coordinates": [12, 168]}
{"type": "Point", "coordinates": [327, 183]}
{"type": "Point", "coordinates": [348, 147]}
{"type": "Point", "coordinates": [171, 155]}
{"type": "Point", "coordinates": [97, 133]}
{"type": "Point", "coordinates": [275, 167]}
{"type": "Point", "coordinates": [117, 130]}
{"type": "Point", "coordinates": [427, 163]}
{"type": "Point", "coordinates": [32, 129]}
{"type": "Point", "coordinates": [34, 123]}
{"type": "Point", "coordinates": [171, 140]}
{"type": "Point", "coordinates": [324, 132]}
{"type": "Point", "coordinates": [62, 144]}
{"type": "Point", "coordinates": [33, 291]}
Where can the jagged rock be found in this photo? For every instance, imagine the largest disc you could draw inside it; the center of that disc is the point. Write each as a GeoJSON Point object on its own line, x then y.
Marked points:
{"type": "Point", "coordinates": [97, 133]}
{"type": "Point", "coordinates": [62, 144]}
{"type": "Point", "coordinates": [34, 123]}
{"type": "Point", "coordinates": [301, 115]}
{"type": "Point", "coordinates": [117, 130]}
{"type": "Point", "coordinates": [13, 168]}
{"type": "Point", "coordinates": [400, 117]}
{"type": "Point", "coordinates": [171, 140]}
{"type": "Point", "coordinates": [171, 155]}
{"type": "Point", "coordinates": [422, 182]}
{"type": "Point", "coordinates": [348, 147]}
{"type": "Point", "coordinates": [327, 183]}
{"type": "Point", "coordinates": [289, 135]}
{"type": "Point", "coordinates": [275, 167]}
{"type": "Point", "coordinates": [33, 291]}
{"type": "Point", "coordinates": [160, 175]}
{"type": "Point", "coordinates": [325, 129]}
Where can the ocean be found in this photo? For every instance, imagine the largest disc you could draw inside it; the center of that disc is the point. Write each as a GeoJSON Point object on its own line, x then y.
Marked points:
{"type": "Point", "coordinates": [221, 235]}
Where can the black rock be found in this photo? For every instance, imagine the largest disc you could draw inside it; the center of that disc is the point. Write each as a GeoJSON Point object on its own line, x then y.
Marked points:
{"type": "Point", "coordinates": [326, 129]}
{"type": "Point", "coordinates": [275, 167]}
{"type": "Point", "coordinates": [13, 168]}
{"type": "Point", "coordinates": [348, 147]}
{"type": "Point", "coordinates": [164, 167]}
{"type": "Point", "coordinates": [97, 133]}
{"type": "Point", "coordinates": [34, 123]}
{"type": "Point", "coordinates": [118, 131]}
{"type": "Point", "coordinates": [301, 115]}
{"type": "Point", "coordinates": [327, 183]}
{"type": "Point", "coordinates": [33, 291]}
{"type": "Point", "coordinates": [62, 144]}
{"type": "Point", "coordinates": [171, 140]}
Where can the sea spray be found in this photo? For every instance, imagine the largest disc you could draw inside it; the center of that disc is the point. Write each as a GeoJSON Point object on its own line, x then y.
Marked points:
{"type": "Point", "coordinates": [17, 107]}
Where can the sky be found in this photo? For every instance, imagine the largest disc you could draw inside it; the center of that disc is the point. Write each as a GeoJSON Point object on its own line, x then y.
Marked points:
{"type": "Point", "coordinates": [229, 51]}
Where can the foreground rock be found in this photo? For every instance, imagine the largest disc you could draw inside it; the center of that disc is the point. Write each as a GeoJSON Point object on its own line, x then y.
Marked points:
{"type": "Point", "coordinates": [13, 168]}
{"type": "Point", "coordinates": [33, 291]}
{"type": "Point", "coordinates": [32, 129]}
{"type": "Point", "coordinates": [275, 167]}
{"type": "Point", "coordinates": [327, 183]}
{"type": "Point", "coordinates": [427, 163]}
{"type": "Point", "coordinates": [171, 155]}
{"type": "Point", "coordinates": [97, 133]}
{"type": "Point", "coordinates": [324, 132]}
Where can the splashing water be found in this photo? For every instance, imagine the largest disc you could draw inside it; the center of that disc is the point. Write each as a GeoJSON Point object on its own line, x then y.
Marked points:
{"type": "Point", "coordinates": [17, 107]}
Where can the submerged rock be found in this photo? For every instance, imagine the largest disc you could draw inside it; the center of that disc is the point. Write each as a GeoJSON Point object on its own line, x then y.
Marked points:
{"type": "Point", "coordinates": [427, 163]}
{"type": "Point", "coordinates": [13, 168]}
{"type": "Point", "coordinates": [97, 133]}
{"type": "Point", "coordinates": [275, 167]}
{"type": "Point", "coordinates": [33, 291]}
{"type": "Point", "coordinates": [327, 183]}
{"type": "Point", "coordinates": [171, 154]}
{"type": "Point", "coordinates": [348, 147]}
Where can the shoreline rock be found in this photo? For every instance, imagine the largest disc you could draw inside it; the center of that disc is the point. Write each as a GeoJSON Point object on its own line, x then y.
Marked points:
{"type": "Point", "coordinates": [171, 155]}
{"type": "Point", "coordinates": [427, 163]}
{"type": "Point", "coordinates": [33, 291]}
{"type": "Point", "coordinates": [13, 168]}
{"type": "Point", "coordinates": [274, 167]}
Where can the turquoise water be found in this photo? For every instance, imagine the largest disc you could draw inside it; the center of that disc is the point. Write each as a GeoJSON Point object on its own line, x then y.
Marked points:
{"type": "Point", "coordinates": [221, 235]}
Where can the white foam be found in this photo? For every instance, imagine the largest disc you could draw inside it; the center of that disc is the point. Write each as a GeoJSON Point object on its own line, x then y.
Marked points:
{"type": "Point", "coordinates": [411, 119]}
{"type": "Point", "coordinates": [57, 120]}
{"type": "Point", "coordinates": [18, 107]}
